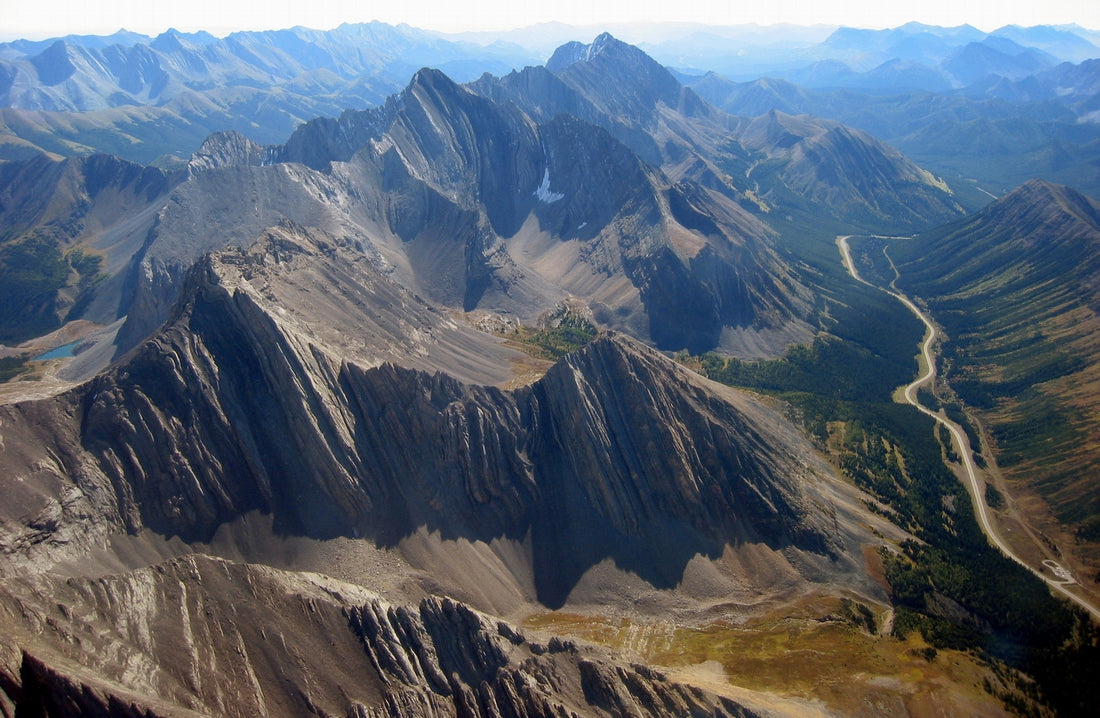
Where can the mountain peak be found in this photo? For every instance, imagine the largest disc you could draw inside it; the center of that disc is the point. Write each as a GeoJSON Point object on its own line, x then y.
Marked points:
{"type": "Point", "coordinates": [53, 64]}
{"type": "Point", "coordinates": [1038, 195]}
{"type": "Point", "coordinates": [434, 81]}
{"type": "Point", "coordinates": [223, 149]}
{"type": "Point", "coordinates": [575, 52]}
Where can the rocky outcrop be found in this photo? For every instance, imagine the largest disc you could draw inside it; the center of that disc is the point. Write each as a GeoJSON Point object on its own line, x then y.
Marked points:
{"type": "Point", "coordinates": [478, 177]}
{"type": "Point", "coordinates": [225, 149]}
{"type": "Point", "coordinates": [235, 406]}
{"type": "Point", "coordinates": [202, 636]}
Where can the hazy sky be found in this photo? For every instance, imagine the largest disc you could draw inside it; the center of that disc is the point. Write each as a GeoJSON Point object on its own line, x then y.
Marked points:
{"type": "Point", "coordinates": [48, 18]}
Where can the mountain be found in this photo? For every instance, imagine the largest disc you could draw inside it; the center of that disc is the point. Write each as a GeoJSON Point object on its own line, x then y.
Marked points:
{"type": "Point", "coordinates": [995, 136]}
{"type": "Point", "coordinates": [512, 194]}
{"type": "Point", "coordinates": [479, 206]}
{"type": "Point", "coordinates": [1062, 42]}
{"type": "Point", "coordinates": [1015, 288]}
{"type": "Point", "coordinates": [158, 99]}
{"type": "Point", "coordinates": [75, 74]}
{"type": "Point", "coordinates": [847, 56]}
{"type": "Point", "coordinates": [289, 468]}
{"type": "Point", "coordinates": [139, 505]}
{"type": "Point", "coordinates": [845, 170]}
{"type": "Point", "coordinates": [690, 139]}
{"type": "Point", "coordinates": [1002, 58]}
{"type": "Point", "coordinates": [67, 227]}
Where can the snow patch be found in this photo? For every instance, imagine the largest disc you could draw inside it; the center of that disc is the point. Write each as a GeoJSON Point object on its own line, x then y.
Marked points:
{"type": "Point", "coordinates": [543, 192]}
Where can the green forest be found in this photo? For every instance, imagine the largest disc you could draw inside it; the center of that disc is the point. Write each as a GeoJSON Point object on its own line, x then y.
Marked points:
{"type": "Point", "coordinates": [950, 584]}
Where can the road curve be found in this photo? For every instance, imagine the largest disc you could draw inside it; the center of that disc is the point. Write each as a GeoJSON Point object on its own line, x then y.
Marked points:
{"type": "Point", "coordinates": [981, 510]}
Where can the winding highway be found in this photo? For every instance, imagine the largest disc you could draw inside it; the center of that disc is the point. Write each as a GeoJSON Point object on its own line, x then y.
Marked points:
{"type": "Point", "coordinates": [1062, 578]}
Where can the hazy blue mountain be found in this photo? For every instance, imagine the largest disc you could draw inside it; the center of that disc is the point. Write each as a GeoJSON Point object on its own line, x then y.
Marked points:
{"type": "Point", "coordinates": [1002, 58]}
{"type": "Point", "coordinates": [123, 38]}
{"type": "Point", "coordinates": [843, 57]}
{"type": "Point", "coordinates": [144, 98]}
{"type": "Point", "coordinates": [95, 73]}
{"type": "Point", "coordinates": [995, 134]}
{"type": "Point", "coordinates": [1072, 45]}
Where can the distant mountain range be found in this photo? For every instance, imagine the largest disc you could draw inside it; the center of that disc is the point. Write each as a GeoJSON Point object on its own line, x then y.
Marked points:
{"type": "Point", "coordinates": [987, 110]}
{"type": "Point", "coordinates": [388, 391]}
{"type": "Point", "coordinates": [174, 90]}
{"type": "Point", "coordinates": [632, 175]}
{"type": "Point", "coordinates": [82, 73]}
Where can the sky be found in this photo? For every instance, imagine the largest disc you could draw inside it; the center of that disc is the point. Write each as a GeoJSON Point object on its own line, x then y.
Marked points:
{"type": "Point", "coordinates": [37, 19]}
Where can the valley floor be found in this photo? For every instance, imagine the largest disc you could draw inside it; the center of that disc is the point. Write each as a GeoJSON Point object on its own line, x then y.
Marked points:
{"type": "Point", "coordinates": [1014, 537]}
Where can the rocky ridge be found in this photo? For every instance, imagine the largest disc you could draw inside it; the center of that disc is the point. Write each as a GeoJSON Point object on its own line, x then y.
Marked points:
{"type": "Point", "coordinates": [197, 427]}
{"type": "Point", "coordinates": [202, 636]}
{"type": "Point", "coordinates": [241, 406]}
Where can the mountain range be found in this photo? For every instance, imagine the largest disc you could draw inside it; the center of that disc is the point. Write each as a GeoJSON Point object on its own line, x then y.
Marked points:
{"type": "Point", "coordinates": [311, 450]}
{"type": "Point", "coordinates": [507, 196]}
{"type": "Point", "coordinates": [976, 107]}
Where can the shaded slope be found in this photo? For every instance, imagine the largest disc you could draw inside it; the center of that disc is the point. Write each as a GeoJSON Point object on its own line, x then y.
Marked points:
{"type": "Point", "coordinates": [232, 409]}
{"type": "Point", "coordinates": [1015, 287]}
{"type": "Point", "coordinates": [67, 226]}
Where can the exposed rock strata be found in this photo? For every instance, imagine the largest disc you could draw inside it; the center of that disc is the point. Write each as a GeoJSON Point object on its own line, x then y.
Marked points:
{"type": "Point", "coordinates": [615, 453]}
{"type": "Point", "coordinates": [261, 396]}
{"type": "Point", "coordinates": [200, 636]}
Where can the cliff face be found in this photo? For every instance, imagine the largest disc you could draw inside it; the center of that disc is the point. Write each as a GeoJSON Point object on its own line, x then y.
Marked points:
{"type": "Point", "coordinates": [234, 407]}
{"type": "Point", "coordinates": [267, 394]}
{"type": "Point", "coordinates": [201, 636]}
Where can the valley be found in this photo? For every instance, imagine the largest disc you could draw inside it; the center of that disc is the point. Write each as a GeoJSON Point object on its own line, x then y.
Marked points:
{"type": "Point", "coordinates": [1045, 566]}
{"type": "Point", "coordinates": [365, 372]}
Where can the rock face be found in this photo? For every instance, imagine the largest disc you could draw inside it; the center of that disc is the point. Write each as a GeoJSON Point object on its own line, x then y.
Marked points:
{"type": "Point", "coordinates": [251, 401]}
{"type": "Point", "coordinates": [201, 636]}
{"type": "Point", "coordinates": [615, 453]}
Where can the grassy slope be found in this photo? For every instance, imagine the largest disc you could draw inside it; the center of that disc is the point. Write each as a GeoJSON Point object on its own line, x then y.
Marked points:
{"type": "Point", "coordinates": [1015, 289]}
{"type": "Point", "coordinates": [949, 587]}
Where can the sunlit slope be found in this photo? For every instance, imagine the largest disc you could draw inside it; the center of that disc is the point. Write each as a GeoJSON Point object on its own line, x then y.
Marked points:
{"type": "Point", "coordinates": [1015, 288]}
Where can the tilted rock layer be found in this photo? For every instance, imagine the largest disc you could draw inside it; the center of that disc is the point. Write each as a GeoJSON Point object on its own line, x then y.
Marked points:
{"type": "Point", "coordinates": [240, 406]}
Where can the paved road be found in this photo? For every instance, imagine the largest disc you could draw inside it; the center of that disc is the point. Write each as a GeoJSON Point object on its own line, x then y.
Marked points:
{"type": "Point", "coordinates": [1062, 577]}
